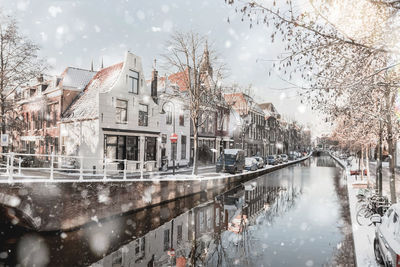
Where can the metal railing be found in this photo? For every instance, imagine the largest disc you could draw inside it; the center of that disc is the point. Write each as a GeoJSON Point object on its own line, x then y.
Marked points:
{"type": "Point", "coordinates": [20, 166]}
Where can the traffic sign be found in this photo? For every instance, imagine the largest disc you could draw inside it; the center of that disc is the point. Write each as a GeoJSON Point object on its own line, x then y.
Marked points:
{"type": "Point", "coordinates": [4, 140]}
{"type": "Point", "coordinates": [173, 138]}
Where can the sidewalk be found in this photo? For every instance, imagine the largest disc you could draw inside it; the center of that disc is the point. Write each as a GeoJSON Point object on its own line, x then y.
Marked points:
{"type": "Point", "coordinates": [385, 177]}
{"type": "Point", "coordinates": [37, 174]}
{"type": "Point", "coordinates": [363, 236]}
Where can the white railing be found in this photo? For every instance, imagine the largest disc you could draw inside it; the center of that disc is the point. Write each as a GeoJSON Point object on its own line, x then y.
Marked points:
{"type": "Point", "coordinates": [19, 166]}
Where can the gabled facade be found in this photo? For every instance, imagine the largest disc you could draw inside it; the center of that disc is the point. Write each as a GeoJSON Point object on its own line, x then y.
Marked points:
{"type": "Point", "coordinates": [176, 115]}
{"type": "Point", "coordinates": [250, 130]}
{"type": "Point", "coordinates": [115, 117]}
{"type": "Point", "coordinates": [272, 128]}
{"type": "Point", "coordinates": [213, 133]}
{"type": "Point", "coordinates": [39, 107]}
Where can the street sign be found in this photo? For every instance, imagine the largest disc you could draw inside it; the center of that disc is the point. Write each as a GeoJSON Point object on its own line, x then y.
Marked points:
{"type": "Point", "coordinates": [173, 138]}
{"type": "Point", "coordinates": [4, 139]}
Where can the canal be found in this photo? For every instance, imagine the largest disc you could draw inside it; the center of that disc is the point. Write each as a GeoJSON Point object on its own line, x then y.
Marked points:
{"type": "Point", "coordinates": [296, 216]}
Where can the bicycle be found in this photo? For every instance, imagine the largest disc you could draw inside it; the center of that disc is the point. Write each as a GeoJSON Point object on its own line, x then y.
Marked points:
{"type": "Point", "coordinates": [375, 205]}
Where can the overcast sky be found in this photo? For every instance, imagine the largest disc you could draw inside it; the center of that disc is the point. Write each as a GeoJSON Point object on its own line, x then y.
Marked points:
{"type": "Point", "coordinates": [72, 33]}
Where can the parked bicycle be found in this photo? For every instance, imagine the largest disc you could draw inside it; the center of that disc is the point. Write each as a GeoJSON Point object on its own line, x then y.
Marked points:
{"type": "Point", "coordinates": [373, 204]}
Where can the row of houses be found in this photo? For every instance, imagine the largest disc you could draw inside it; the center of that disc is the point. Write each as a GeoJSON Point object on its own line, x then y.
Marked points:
{"type": "Point", "coordinates": [115, 113]}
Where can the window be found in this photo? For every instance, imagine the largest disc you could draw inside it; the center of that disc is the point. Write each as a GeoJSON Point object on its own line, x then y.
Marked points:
{"type": "Point", "coordinates": [151, 148]}
{"type": "Point", "coordinates": [63, 145]}
{"type": "Point", "coordinates": [219, 120]}
{"type": "Point", "coordinates": [132, 148]}
{"type": "Point", "coordinates": [210, 124]}
{"type": "Point", "coordinates": [183, 147]}
{"type": "Point", "coordinates": [181, 120]}
{"type": "Point", "coordinates": [133, 79]}
{"type": "Point", "coordinates": [179, 236]}
{"type": "Point", "coordinates": [55, 112]}
{"type": "Point", "coordinates": [163, 138]}
{"type": "Point", "coordinates": [168, 114]}
{"type": "Point", "coordinates": [225, 124]}
{"type": "Point", "coordinates": [121, 111]}
{"type": "Point", "coordinates": [166, 239]}
{"type": "Point", "coordinates": [143, 115]}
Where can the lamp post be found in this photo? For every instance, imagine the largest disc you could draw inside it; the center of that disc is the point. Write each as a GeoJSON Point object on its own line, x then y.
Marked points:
{"type": "Point", "coordinates": [173, 137]}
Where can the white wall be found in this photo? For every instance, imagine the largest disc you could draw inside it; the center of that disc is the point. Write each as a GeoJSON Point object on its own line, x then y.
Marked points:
{"type": "Point", "coordinates": [167, 129]}
{"type": "Point", "coordinates": [82, 139]}
{"type": "Point", "coordinates": [120, 90]}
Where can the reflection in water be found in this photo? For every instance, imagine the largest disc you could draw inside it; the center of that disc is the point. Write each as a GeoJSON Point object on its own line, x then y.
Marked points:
{"type": "Point", "coordinates": [286, 218]}
{"type": "Point", "coordinates": [290, 217]}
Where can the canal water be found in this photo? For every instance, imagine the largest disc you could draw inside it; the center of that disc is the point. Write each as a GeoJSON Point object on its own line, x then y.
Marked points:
{"type": "Point", "coordinates": [296, 216]}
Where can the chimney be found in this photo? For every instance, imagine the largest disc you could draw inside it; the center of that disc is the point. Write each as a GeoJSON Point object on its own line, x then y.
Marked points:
{"type": "Point", "coordinates": [40, 78]}
{"type": "Point", "coordinates": [154, 81]}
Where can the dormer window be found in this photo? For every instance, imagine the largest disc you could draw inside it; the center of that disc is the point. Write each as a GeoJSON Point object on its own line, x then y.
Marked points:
{"type": "Point", "coordinates": [133, 82]}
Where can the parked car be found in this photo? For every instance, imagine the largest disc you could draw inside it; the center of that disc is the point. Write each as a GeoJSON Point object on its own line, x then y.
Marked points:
{"type": "Point", "coordinates": [260, 162]}
{"type": "Point", "coordinates": [284, 157]}
{"type": "Point", "coordinates": [387, 236]}
{"type": "Point", "coordinates": [292, 156]}
{"type": "Point", "coordinates": [279, 159]}
{"type": "Point", "coordinates": [251, 164]}
{"type": "Point", "coordinates": [271, 160]}
{"type": "Point", "coordinates": [231, 160]}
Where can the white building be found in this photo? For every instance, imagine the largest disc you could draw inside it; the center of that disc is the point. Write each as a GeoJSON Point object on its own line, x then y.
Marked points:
{"type": "Point", "coordinates": [115, 117]}
{"type": "Point", "coordinates": [177, 115]}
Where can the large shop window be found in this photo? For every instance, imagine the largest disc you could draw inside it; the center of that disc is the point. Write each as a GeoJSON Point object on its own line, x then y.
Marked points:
{"type": "Point", "coordinates": [122, 147]}
{"type": "Point", "coordinates": [151, 148]}
{"type": "Point", "coordinates": [111, 146]}
{"type": "Point", "coordinates": [143, 115]}
{"type": "Point", "coordinates": [133, 82]}
{"type": "Point", "coordinates": [121, 111]}
{"type": "Point", "coordinates": [132, 148]}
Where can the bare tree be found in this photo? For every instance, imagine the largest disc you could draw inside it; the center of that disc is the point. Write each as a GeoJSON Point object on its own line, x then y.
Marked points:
{"type": "Point", "coordinates": [343, 49]}
{"type": "Point", "coordinates": [19, 64]}
{"type": "Point", "coordinates": [200, 73]}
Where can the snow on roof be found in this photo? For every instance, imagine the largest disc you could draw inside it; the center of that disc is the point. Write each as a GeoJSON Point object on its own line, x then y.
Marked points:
{"type": "Point", "coordinates": [75, 78]}
{"type": "Point", "coordinates": [86, 106]}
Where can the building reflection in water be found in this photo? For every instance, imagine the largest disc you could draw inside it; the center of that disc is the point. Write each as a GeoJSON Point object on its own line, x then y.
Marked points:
{"type": "Point", "coordinates": [210, 234]}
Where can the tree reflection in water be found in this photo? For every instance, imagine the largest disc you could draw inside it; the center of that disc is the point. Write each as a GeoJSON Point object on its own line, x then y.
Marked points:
{"type": "Point", "coordinates": [216, 233]}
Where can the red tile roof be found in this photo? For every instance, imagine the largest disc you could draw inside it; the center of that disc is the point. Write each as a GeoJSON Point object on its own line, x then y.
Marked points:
{"type": "Point", "coordinates": [86, 105]}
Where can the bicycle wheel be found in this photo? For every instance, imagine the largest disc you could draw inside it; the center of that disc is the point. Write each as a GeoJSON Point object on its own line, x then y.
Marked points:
{"type": "Point", "coordinates": [361, 205]}
{"type": "Point", "coordinates": [363, 216]}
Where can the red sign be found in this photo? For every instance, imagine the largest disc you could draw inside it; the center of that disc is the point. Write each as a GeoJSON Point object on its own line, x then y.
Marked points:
{"type": "Point", "coordinates": [174, 138]}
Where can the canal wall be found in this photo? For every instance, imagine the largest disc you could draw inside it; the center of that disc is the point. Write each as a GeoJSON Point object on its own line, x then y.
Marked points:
{"type": "Point", "coordinates": [55, 206]}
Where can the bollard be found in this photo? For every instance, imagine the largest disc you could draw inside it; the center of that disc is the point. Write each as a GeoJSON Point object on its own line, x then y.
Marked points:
{"type": "Point", "coordinates": [125, 163]}
{"type": "Point", "coordinates": [52, 166]}
{"type": "Point", "coordinates": [11, 174]}
{"type": "Point", "coordinates": [81, 169]}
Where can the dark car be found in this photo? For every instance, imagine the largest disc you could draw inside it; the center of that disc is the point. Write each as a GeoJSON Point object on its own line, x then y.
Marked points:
{"type": "Point", "coordinates": [232, 161]}
{"type": "Point", "coordinates": [387, 236]}
{"type": "Point", "coordinates": [271, 160]}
